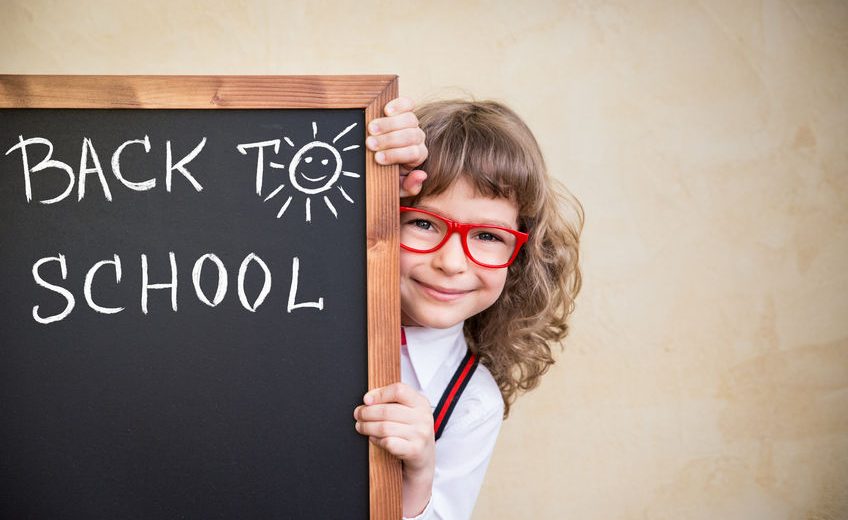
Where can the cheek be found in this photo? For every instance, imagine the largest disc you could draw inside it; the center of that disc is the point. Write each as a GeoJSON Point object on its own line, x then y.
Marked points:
{"type": "Point", "coordinates": [406, 263]}
{"type": "Point", "coordinates": [495, 282]}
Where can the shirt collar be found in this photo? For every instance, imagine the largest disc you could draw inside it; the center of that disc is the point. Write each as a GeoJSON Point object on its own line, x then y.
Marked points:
{"type": "Point", "coordinates": [429, 348]}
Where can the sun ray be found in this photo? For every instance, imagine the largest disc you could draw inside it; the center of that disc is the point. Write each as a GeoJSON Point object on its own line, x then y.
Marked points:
{"type": "Point", "coordinates": [285, 207]}
{"type": "Point", "coordinates": [278, 166]}
{"type": "Point", "coordinates": [351, 174]}
{"type": "Point", "coordinates": [314, 130]}
{"type": "Point", "coordinates": [269, 197]}
{"type": "Point", "coordinates": [345, 195]}
{"type": "Point", "coordinates": [351, 147]}
{"type": "Point", "coordinates": [289, 141]}
{"type": "Point", "coordinates": [308, 209]}
{"type": "Point", "coordinates": [343, 132]}
{"type": "Point", "coordinates": [330, 205]}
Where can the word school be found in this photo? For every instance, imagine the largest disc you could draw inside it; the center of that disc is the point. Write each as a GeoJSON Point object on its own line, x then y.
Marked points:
{"type": "Point", "coordinates": [146, 286]}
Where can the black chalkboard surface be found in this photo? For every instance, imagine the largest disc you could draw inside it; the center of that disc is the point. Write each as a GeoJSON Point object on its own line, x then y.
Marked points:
{"type": "Point", "coordinates": [184, 314]}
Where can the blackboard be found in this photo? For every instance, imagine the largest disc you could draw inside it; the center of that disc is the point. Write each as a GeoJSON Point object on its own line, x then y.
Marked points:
{"type": "Point", "coordinates": [193, 299]}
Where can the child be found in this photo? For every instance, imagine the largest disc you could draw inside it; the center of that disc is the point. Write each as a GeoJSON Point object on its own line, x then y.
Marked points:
{"type": "Point", "coordinates": [498, 291]}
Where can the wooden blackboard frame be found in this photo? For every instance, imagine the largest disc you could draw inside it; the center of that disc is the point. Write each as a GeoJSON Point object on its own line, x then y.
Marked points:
{"type": "Point", "coordinates": [370, 93]}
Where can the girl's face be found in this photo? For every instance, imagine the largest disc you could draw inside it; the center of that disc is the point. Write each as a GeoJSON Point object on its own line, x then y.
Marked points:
{"type": "Point", "coordinates": [443, 288]}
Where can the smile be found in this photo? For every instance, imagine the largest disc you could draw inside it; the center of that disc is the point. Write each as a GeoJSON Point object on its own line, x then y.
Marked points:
{"type": "Point", "coordinates": [440, 293]}
{"type": "Point", "coordinates": [316, 179]}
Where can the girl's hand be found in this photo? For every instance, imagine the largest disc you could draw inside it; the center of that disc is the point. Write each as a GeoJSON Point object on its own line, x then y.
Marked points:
{"type": "Point", "coordinates": [397, 139]}
{"type": "Point", "coordinates": [400, 420]}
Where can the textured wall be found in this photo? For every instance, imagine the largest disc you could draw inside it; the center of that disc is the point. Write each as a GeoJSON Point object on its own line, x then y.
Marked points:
{"type": "Point", "coordinates": [707, 372]}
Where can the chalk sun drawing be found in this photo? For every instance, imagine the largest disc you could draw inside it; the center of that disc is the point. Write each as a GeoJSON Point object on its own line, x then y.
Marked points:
{"type": "Point", "coordinates": [314, 170]}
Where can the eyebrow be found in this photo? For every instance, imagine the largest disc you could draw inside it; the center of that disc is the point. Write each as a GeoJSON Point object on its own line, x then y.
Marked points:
{"type": "Point", "coordinates": [499, 223]}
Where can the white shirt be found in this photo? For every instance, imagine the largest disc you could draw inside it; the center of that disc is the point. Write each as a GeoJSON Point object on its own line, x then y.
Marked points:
{"type": "Point", "coordinates": [427, 364]}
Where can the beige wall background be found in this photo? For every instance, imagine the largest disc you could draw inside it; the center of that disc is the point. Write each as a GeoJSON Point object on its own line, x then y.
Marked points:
{"type": "Point", "coordinates": [707, 373]}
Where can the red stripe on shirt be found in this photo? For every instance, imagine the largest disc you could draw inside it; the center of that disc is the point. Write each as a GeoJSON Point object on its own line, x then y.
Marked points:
{"type": "Point", "coordinates": [453, 391]}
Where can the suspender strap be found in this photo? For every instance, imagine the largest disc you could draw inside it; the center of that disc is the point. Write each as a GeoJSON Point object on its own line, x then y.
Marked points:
{"type": "Point", "coordinates": [451, 395]}
{"type": "Point", "coordinates": [455, 388]}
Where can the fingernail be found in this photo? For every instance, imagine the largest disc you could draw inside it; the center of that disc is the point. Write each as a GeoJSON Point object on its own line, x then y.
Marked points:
{"type": "Point", "coordinates": [368, 399]}
{"type": "Point", "coordinates": [374, 128]}
{"type": "Point", "coordinates": [358, 427]}
{"type": "Point", "coordinates": [380, 157]}
{"type": "Point", "coordinates": [390, 110]}
{"type": "Point", "coordinates": [371, 143]}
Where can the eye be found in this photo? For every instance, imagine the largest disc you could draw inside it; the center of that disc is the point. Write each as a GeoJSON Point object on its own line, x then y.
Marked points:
{"type": "Point", "coordinates": [420, 223]}
{"type": "Point", "coordinates": [488, 237]}
{"type": "Point", "coordinates": [308, 160]}
{"type": "Point", "coordinates": [325, 161]}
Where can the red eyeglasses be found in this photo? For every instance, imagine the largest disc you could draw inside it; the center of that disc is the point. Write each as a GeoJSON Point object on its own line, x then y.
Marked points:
{"type": "Point", "coordinates": [488, 246]}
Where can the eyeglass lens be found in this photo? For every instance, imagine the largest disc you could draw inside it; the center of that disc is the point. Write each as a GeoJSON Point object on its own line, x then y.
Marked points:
{"type": "Point", "coordinates": [487, 245]}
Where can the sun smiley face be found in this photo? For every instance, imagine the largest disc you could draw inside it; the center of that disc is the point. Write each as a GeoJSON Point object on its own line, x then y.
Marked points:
{"type": "Point", "coordinates": [315, 167]}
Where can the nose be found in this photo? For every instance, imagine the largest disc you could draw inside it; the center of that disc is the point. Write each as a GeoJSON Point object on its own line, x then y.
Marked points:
{"type": "Point", "coordinates": [450, 258]}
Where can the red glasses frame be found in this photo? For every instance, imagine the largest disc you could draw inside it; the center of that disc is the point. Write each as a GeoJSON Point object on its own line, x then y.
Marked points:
{"type": "Point", "coordinates": [462, 229]}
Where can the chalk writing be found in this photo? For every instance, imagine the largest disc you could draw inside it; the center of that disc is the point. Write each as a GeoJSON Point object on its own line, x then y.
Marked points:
{"type": "Point", "coordinates": [172, 285]}
{"type": "Point", "coordinates": [88, 150]}
{"type": "Point", "coordinates": [315, 169]}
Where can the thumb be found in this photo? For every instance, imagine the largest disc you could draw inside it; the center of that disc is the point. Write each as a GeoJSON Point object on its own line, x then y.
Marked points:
{"type": "Point", "coordinates": [410, 183]}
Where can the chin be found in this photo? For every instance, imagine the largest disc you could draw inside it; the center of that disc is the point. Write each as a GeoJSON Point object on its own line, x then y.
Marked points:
{"type": "Point", "coordinates": [432, 321]}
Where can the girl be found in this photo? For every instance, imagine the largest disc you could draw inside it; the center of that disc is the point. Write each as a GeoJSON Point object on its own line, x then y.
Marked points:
{"type": "Point", "coordinates": [489, 274]}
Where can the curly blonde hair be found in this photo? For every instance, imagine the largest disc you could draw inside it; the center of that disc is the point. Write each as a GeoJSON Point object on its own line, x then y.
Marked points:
{"type": "Point", "coordinates": [487, 144]}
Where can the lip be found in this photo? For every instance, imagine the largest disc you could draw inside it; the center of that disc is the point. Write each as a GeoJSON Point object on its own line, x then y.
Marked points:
{"type": "Point", "coordinates": [441, 294]}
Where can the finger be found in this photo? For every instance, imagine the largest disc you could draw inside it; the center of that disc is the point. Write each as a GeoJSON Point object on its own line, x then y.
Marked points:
{"type": "Point", "coordinates": [412, 182]}
{"type": "Point", "coordinates": [396, 139]}
{"type": "Point", "coordinates": [385, 429]}
{"type": "Point", "coordinates": [387, 412]}
{"type": "Point", "coordinates": [384, 125]}
{"type": "Point", "coordinates": [408, 155]}
{"type": "Point", "coordinates": [395, 393]}
{"type": "Point", "coordinates": [420, 157]}
{"type": "Point", "coordinates": [398, 447]}
{"type": "Point", "coordinates": [398, 105]}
